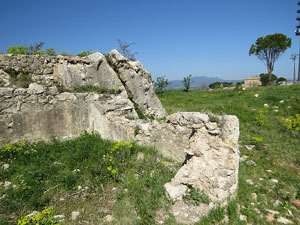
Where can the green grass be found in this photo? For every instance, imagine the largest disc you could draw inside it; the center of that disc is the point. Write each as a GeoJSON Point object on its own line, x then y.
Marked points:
{"type": "Point", "coordinates": [87, 174]}
{"type": "Point", "coordinates": [277, 148]}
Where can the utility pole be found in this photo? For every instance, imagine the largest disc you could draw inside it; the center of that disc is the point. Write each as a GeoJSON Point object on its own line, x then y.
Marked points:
{"type": "Point", "coordinates": [294, 58]}
{"type": "Point", "coordinates": [297, 32]}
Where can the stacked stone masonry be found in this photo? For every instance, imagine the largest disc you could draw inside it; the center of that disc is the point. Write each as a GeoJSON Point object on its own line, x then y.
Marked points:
{"type": "Point", "coordinates": [207, 145]}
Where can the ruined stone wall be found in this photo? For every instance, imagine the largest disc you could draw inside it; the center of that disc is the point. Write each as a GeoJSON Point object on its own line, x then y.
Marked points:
{"type": "Point", "coordinates": [206, 144]}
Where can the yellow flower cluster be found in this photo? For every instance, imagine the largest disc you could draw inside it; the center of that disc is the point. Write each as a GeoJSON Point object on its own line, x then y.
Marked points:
{"type": "Point", "coordinates": [40, 218]}
{"type": "Point", "coordinates": [165, 163]}
{"type": "Point", "coordinates": [114, 152]}
{"type": "Point", "coordinates": [262, 116]}
{"type": "Point", "coordinates": [291, 123]}
{"type": "Point", "coordinates": [13, 148]}
{"type": "Point", "coordinates": [257, 139]}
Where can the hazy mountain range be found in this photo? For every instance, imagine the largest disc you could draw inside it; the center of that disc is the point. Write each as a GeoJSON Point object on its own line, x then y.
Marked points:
{"type": "Point", "coordinates": [196, 82]}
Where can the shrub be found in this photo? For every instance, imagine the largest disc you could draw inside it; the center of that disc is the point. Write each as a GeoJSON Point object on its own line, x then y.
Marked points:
{"type": "Point", "coordinates": [31, 50]}
{"type": "Point", "coordinates": [50, 52]}
{"type": "Point", "coordinates": [20, 50]}
{"type": "Point", "coordinates": [161, 83]}
{"type": "Point", "coordinates": [84, 53]}
{"type": "Point", "coordinates": [187, 82]}
{"type": "Point", "coordinates": [46, 217]}
{"type": "Point", "coordinates": [264, 78]}
{"type": "Point", "coordinates": [125, 51]}
{"type": "Point", "coordinates": [280, 79]}
{"type": "Point", "coordinates": [21, 79]}
{"type": "Point", "coordinates": [292, 122]}
{"type": "Point", "coordinates": [220, 85]}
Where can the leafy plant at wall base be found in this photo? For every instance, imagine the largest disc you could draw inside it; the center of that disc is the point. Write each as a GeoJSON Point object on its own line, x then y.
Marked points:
{"type": "Point", "coordinates": [195, 196]}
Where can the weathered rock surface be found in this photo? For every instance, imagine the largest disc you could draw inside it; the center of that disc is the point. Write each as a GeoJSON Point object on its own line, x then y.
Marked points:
{"type": "Point", "coordinates": [207, 145]}
{"type": "Point", "coordinates": [138, 83]}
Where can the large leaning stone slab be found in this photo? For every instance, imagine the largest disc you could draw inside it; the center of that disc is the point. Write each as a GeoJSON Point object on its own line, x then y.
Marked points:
{"type": "Point", "coordinates": [138, 83]}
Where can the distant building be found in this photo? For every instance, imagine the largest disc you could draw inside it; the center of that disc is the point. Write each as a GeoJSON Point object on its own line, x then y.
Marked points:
{"type": "Point", "coordinates": [252, 81]}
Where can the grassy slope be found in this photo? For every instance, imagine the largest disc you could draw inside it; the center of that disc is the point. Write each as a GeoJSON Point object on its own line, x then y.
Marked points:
{"type": "Point", "coordinates": [90, 175]}
{"type": "Point", "coordinates": [278, 151]}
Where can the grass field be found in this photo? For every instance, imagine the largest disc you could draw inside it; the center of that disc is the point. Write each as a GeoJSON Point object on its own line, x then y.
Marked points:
{"type": "Point", "coordinates": [99, 178]}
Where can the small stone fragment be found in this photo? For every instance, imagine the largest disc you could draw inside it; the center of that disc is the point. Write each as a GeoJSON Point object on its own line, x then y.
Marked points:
{"type": "Point", "coordinates": [7, 184]}
{"type": "Point", "coordinates": [266, 105]}
{"type": "Point", "coordinates": [243, 158]}
{"type": "Point", "coordinates": [277, 203]}
{"type": "Point", "coordinates": [249, 147]}
{"type": "Point", "coordinates": [140, 156]}
{"type": "Point", "coordinates": [256, 95]}
{"type": "Point", "coordinates": [60, 217]}
{"type": "Point", "coordinates": [250, 163]}
{"type": "Point", "coordinates": [269, 171]}
{"type": "Point", "coordinates": [108, 218]}
{"type": "Point", "coordinates": [250, 182]}
{"type": "Point", "coordinates": [274, 181]}
{"type": "Point", "coordinates": [74, 215]}
{"type": "Point", "coordinates": [5, 166]}
{"type": "Point", "coordinates": [284, 220]}
{"type": "Point", "coordinates": [254, 197]}
{"type": "Point", "coordinates": [243, 217]}
{"type": "Point", "coordinates": [272, 211]}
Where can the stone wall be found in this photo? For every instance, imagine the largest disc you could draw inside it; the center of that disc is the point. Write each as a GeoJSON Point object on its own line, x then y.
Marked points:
{"type": "Point", "coordinates": [207, 145]}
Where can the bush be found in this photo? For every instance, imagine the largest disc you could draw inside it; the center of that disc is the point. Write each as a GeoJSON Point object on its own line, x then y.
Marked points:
{"type": "Point", "coordinates": [264, 78]}
{"type": "Point", "coordinates": [84, 53]}
{"type": "Point", "coordinates": [30, 50]}
{"type": "Point", "coordinates": [20, 50]}
{"type": "Point", "coordinates": [220, 85]}
{"type": "Point", "coordinates": [187, 82]}
{"type": "Point", "coordinates": [280, 79]}
{"type": "Point", "coordinates": [21, 79]}
{"type": "Point", "coordinates": [50, 51]}
{"type": "Point", "coordinates": [161, 83]}
{"type": "Point", "coordinates": [125, 51]}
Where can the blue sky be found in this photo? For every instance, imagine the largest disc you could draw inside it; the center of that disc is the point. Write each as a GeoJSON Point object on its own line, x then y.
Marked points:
{"type": "Point", "coordinates": [174, 38]}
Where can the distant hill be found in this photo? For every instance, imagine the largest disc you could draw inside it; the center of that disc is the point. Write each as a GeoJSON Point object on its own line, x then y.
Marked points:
{"type": "Point", "coordinates": [196, 81]}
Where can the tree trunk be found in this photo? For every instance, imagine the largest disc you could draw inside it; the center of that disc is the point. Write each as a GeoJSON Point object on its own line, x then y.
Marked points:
{"type": "Point", "coordinates": [270, 70]}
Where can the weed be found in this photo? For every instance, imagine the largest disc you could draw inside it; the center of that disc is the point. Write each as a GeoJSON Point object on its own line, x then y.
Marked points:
{"type": "Point", "coordinates": [195, 196]}
{"type": "Point", "coordinates": [96, 89]}
{"type": "Point", "coordinates": [136, 130]}
{"type": "Point", "coordinates": [21, 79]}
{"type": "Point", "coordinates": [2, 83]}
{"type": "Point", "coordinates": [43, 218]}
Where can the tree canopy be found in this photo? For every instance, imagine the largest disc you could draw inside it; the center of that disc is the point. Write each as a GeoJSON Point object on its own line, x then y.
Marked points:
{"type": "Point", "coordinates": [269, 48]}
